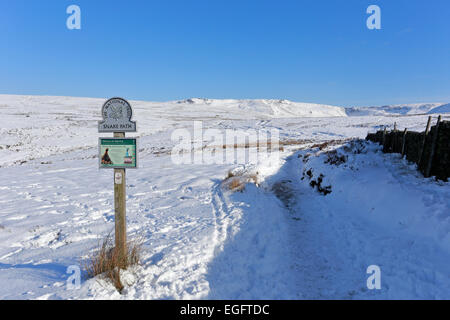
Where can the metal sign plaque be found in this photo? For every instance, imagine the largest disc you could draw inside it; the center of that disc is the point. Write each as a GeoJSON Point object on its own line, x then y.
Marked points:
{"type": "Point", "coordinates": [118, 178]}
{"type": "Point", "coordinates": [118, 153]}
{"type": "Point", "coordinates": [117, 115]}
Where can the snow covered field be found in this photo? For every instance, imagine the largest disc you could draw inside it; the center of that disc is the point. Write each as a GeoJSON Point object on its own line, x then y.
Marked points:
{"type": "Point", "coordinates": [281, 239]}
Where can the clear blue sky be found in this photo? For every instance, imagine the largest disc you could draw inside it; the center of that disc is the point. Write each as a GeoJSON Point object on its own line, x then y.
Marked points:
{"type": "Point", "coordinates": [312, 51]}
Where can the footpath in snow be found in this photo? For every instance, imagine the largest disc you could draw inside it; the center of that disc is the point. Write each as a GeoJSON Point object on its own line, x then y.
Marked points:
{"type": "Point", "coordinates": [314, 226]}
{"type": "Point", "coordinates": [380, 211]}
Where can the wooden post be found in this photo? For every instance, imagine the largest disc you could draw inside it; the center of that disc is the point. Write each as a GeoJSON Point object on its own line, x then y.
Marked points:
{"type": "Point", "coordinates": [433, 148]}
{"type": "Point", "coordinates": [404, 142]}
{"type": "Point", "coordinates": [120, 209]}
{"type": "Point", "coordinates": [421, 150]}
{"type": "Point", "coordinates": [393, 137]}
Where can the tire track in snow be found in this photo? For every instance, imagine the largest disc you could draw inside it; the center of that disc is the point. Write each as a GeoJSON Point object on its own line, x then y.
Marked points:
{"type": "Point", "coordinates": [251, 257]}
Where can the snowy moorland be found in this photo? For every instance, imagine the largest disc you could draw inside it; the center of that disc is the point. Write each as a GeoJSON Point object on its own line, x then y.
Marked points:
{"type": "Point", "coordinates": [306, 226]}
{"type": "Point", "coordinates": [400, 109]}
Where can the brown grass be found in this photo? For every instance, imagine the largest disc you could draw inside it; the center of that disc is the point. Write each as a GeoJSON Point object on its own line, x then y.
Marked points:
{"type": "Point", "coordinates": [237, 181]}
{"type": "Point", "coordinates": [329, 143]}
{"type": "Point", "coordinates": [106, 261]}
{"type": "Point", "coordinates": [289, 142]}
{"type": "Point", "coordinates": [236, 184]}
{"type": "Point", "coordinates": [230, 174]}
{"type": "Point", "coordinates": [267, 145]}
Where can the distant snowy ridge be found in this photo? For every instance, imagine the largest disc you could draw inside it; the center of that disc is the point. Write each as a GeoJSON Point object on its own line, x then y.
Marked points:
{"type": "Point", "coordinates": [399, 109]}
{"type": "Point", "coordinates": [269, 108]}
{"type": "Point", "coordinates": [236, 109]}
{"type": "Point", "coordinates": [194, 107]}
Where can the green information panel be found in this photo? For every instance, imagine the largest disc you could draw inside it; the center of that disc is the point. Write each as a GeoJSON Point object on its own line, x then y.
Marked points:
{"type": "Point", "coordinates": [117, 153]}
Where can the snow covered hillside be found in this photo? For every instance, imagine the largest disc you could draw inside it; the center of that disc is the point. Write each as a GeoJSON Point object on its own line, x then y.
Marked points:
{"type": "Point", "coordinates": [261, 108]}
{"type": "Point", "coordinates": [280, 238]}
{"type": "Point", "coordinates": [399, 109]}
{"type": "Point", "coordinates": [445, 108]}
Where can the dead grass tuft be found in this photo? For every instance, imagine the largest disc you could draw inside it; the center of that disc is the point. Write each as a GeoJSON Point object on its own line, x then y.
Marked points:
{"type": "Point", "coordinates": [329, 143]}
{"type": "Point", "coordinates": [236, 184]}
{"type": "Point", "coordinates": [107, 262]}
{"type": "Point", "coordinates": [236, 181]}
{"type": "Point", "coordinates": [230, 174]}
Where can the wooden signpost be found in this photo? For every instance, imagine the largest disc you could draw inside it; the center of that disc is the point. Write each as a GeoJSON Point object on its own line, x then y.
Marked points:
{"type": "Point", "coordinates": [118, 153]}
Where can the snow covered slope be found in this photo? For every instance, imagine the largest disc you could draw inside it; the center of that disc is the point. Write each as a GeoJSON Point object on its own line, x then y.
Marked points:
{"type": "Point", "coordinates": [445, 108]}
{"type": "Point", "coordinates": [398, 109]}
